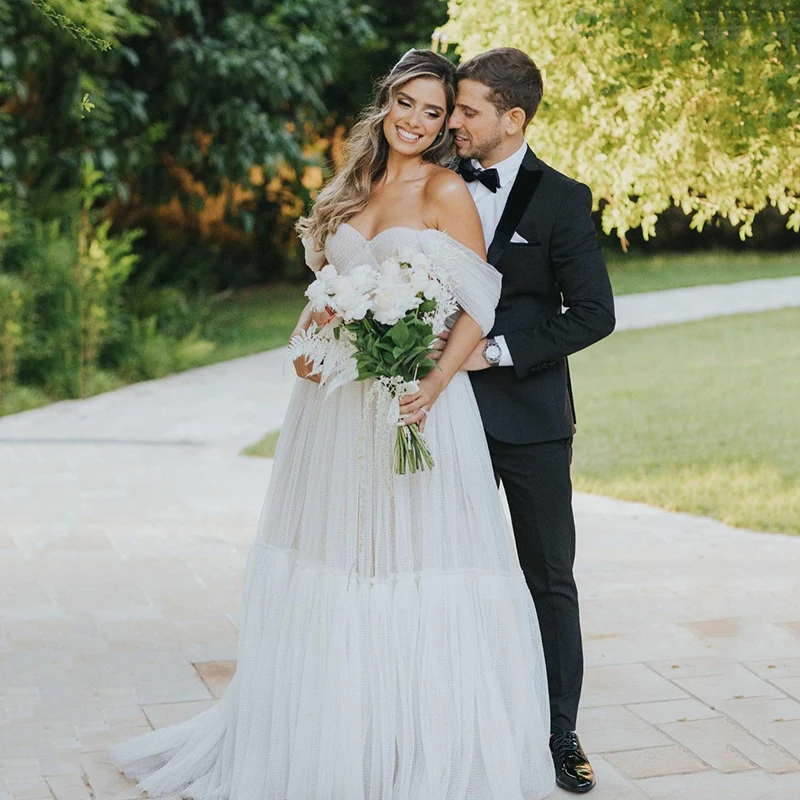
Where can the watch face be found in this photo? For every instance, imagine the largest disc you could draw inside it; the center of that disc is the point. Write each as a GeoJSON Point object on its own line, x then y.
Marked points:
{"type": "Point", "coordinates": [492, 352]}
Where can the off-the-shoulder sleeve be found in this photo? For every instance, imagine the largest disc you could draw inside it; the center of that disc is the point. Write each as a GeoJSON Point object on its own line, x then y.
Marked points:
{"type": "Point", "coordinates": [474, 282]}
{"type": "Point", "coordinates": [315, 259]}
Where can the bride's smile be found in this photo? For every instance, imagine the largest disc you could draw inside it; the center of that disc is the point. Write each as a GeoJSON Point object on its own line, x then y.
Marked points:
{"type": "Point", "coordinates": [416, 116]}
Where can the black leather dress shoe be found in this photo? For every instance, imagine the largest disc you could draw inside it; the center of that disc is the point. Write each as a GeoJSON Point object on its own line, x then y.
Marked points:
{"type": "Point", "coordinates": [573, 770]}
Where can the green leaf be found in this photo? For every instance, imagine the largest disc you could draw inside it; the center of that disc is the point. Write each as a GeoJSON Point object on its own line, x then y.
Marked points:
{"type": "Point", "coordinates": [399, 333]}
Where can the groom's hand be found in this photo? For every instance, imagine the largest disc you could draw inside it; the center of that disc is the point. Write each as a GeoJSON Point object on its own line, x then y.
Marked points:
{"type": "Point", "coordinates": [476, 360]}
{"type": "Point", "coordinates": [437, 348]}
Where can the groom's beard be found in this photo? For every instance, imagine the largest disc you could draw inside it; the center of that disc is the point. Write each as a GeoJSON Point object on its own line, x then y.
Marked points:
{"type": "Point", "coordinates": [481, 151]}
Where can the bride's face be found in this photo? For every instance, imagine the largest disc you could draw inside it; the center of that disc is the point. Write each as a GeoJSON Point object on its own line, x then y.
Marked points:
{"type": "Point", "coordinates": [416, 116]}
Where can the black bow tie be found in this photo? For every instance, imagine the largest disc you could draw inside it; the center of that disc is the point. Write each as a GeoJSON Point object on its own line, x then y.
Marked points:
{"type": "Point", "coordinates": [488, 177]}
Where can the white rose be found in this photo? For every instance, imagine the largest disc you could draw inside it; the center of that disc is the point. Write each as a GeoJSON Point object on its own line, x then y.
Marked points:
{"type": "Point", "coordinates": [359, 281]}
{"type": "Point", "coordinates": [383, 302]}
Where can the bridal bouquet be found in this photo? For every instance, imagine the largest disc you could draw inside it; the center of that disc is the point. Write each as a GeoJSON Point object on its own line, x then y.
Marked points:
{"type": "Point", "coordinates": [383, 320]}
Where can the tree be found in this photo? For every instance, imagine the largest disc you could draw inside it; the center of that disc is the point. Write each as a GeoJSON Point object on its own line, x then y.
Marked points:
{"type": "Point", "coordinates": [199, 107]}
{"type": "Point", "coordinates": [655, 104]}
{"type": "Point", "coordinates": [397, 27]}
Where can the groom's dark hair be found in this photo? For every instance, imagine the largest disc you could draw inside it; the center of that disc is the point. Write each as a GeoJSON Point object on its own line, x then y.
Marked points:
{"type": "Point", "coordinates": [512, 77]}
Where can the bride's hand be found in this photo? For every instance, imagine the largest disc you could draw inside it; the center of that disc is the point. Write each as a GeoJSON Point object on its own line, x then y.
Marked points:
{"type": "Point", "coordinates": [414, 408]}
{"type": "Point", "coordinates": [303, 368]}
{"type": "Point", "coordinates": [322, 318]}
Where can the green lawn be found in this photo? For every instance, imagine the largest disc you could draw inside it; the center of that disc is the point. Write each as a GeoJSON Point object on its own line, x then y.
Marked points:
{"type": "Point", "coordinates": [265, 447]}
{"type": "Point", "coordinates": [262, 317]}
{"type": "Point", "coordinates": [702, 417]}
{"type": "Point", "coordinates": [636, 273]}
{"type": "Point", "coordinates": [252, 320]}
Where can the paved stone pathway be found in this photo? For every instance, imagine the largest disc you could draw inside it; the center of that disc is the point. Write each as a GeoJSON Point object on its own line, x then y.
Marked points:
{"type": "Point", "coordinates": [698, 302]}
{"type": "Point", "coordinates": [125, 521]}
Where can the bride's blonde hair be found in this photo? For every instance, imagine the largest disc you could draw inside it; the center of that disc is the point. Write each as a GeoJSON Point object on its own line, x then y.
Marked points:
{"type": "Point", "coordinates": [367, 150]}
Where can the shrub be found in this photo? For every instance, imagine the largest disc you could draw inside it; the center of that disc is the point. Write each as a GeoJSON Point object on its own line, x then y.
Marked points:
{"type": "Point", "coordinates": [14, 294]}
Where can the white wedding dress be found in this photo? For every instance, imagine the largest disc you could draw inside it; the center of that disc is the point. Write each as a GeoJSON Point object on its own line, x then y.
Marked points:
{"type": "Point", "coordinates": [390, 649]}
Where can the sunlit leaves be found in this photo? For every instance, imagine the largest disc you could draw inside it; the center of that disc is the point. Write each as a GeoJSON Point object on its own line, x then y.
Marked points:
{"type": "Point", "coordinates": [694, 104]}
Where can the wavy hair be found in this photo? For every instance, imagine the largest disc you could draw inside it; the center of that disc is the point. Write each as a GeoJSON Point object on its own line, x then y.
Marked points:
{"type": "Point", "coordinates": [367, 150]}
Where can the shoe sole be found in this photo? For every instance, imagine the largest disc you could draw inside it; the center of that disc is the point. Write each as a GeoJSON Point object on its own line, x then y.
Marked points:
{"type": "Point", "coordinates": [574, 791]}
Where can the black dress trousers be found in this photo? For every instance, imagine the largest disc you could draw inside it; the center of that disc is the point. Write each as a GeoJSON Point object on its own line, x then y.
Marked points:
{"type": "Point", "coordinates": [537, 483]}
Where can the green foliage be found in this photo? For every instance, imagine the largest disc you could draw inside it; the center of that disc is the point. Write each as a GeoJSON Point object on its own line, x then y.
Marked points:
{"type": "Point", "coordinates": [193, 121]}
{"type": "Point", "coordinates": [693, 104]}
{"type": "Point", "coordinates": [397, 27]}
{"type": "Point", "coordinates": [102, 266]}
{"type": "Point", "coordinates": [251, 320]}
{"type": "Point", "coordinates": [48, 73]}
{"type": "Point", "coordinates": [21, 398]}
{"type": "Point", "coordinates": [70, 26]}
{"type": "Point", "coordinates": [148, 353]}
{"type": "Point", "coordinates": [393, 352]}
{"type": "Point", "coordinates": [202, 116]}
{"type": "Point", "coordinates": [73, 269]}
{"type": "Point", "coordinates": [13, 299]}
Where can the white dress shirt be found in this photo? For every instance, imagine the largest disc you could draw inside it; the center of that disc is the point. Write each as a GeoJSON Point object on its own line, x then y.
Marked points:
{"type": "Point", "coordinates": [490, 207]}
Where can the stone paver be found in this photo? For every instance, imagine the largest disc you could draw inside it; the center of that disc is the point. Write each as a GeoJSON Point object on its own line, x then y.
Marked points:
{"type": "Point", "coordinates": [125, 521]}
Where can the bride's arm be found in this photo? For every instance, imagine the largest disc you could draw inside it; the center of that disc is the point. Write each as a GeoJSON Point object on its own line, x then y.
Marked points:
{"type": "Point", "coordinates": [456, 214]}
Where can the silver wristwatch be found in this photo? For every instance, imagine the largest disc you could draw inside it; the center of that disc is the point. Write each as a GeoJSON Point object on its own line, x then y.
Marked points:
{"type": "Point", "coordinates": [492, 352]}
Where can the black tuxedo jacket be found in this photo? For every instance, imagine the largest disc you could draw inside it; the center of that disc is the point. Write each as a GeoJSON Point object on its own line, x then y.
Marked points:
{"type": "Point", "coordinates": [561, 264]}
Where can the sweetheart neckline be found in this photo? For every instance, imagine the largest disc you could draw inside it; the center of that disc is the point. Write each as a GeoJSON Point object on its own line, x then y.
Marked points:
{"type": "Point", "coordinates": [390, 228]}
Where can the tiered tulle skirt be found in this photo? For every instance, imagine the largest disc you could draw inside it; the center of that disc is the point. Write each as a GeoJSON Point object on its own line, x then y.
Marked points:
{"type": "Point", "coordinates": [390, 649]}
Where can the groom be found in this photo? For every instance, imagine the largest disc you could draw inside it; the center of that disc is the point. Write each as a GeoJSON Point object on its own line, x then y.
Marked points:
{"type": "Point", "coordinates": [540, 236]}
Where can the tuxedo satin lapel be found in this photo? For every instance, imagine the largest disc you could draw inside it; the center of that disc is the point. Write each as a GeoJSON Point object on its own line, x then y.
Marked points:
{"type": "Point", "coordinates": [522, 191]}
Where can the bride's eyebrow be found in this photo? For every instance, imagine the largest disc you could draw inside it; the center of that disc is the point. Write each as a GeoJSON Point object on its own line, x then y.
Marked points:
{"type": "Point", "coordinates": [432, 106]}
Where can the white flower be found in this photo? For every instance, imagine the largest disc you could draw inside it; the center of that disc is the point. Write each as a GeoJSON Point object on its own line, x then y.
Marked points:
{"type": "Point", "coordinates": [363, 277]}
{"type": "Point", "coordinates": [391, 268]}
{"type": "Point", "coordinates": [351, 293]}
{"type": "Point", "coordinates": [416, 258]}
{"type": "Point", "coordinates": [317, 293]}
{"type": "Point", "coordinates": [327, 274]}
{"type": "Point", "coordinates": [392, 302]}
{"type": "Point", "coordinates": [352, 305]}
{"type": "Point", "coordinates": [422, 283]}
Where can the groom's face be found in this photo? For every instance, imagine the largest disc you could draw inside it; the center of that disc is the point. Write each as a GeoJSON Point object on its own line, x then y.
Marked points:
{"type": "Point", "coordinates": [475, 123]}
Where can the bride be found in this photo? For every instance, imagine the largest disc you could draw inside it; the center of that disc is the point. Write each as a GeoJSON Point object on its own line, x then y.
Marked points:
{"type": "Point", "coordinates": [389, 648]}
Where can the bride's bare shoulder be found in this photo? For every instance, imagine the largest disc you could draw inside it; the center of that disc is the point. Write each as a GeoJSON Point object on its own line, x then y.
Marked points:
{"type": "Point", "coordinates": [445, 185]}
{"type": "Point", "coordinates": [453, 209]}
